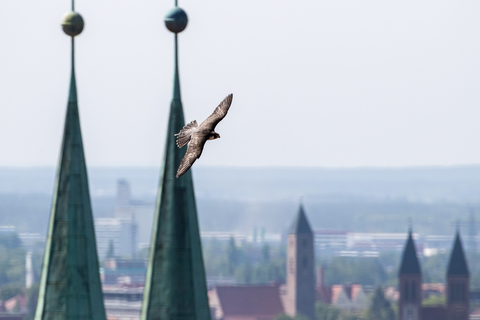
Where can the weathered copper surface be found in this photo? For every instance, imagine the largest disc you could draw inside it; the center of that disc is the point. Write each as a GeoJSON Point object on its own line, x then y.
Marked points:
{"type": "Point", "coordinates": [175, 286]}
{"type": "Point", "coordinates": [70, 285]}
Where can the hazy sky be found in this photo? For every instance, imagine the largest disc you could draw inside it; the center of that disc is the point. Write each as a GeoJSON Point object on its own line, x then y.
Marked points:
{"type": "Point", "coordinates": [316, 83]}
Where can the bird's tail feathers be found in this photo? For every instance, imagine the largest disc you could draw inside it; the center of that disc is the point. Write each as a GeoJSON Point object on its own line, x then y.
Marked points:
{"type": "Point", "coordinates": [183, 137]}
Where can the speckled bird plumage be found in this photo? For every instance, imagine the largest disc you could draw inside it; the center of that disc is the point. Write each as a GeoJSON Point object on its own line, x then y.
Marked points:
{"type": "Point", "coordinates": [196, 135]}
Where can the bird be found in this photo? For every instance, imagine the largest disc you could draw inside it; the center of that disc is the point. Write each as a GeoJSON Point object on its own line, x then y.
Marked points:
{"type": "Point", "coordinates": [196, 135]}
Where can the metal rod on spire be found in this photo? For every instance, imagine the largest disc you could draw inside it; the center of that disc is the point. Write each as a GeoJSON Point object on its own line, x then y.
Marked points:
{"type": "Point", "coordinates": [72, 24]}
{"type": "Point", "coordinates": [73, 54]}
{"type": "Point", "coordinates": [176, 76]}
{"type": "Point", "coordinates": [73, 5]}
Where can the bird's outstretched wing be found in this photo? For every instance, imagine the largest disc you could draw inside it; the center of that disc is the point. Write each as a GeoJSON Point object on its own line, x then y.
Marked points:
{"type": "Point", "coordinates": [219, 113]}
{"type": "Point", "coordinates": [184, 136]}
{"type": "Point", "coordinates": [194, 151]}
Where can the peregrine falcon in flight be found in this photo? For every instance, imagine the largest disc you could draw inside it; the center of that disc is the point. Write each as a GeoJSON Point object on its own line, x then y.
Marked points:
{"type": "Point", "coordinates": [197, 135]}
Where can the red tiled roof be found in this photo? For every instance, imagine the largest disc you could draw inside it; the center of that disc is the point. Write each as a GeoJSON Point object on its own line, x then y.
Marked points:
{"type": "Point", "coordinates": [18, 300]}
{"type": "Point", "coordinates": [262, 302]}
{"type": "Point", "coordinates": [440, 287]}
{"type": "Point", "coordinates": [247, 318]}
{"type": "Point", "coordinates": [475, 312]}
{"type": "Point", "coordinates": [330, 294]}
{"type": "Point", "coordinates": [434, 313]}
{"type": "Point", "coordinates": [10, 316]}
{"type": "Point", "coordinates": [336, 291]}
{"type": "Point", "coordinates": [356, 289]}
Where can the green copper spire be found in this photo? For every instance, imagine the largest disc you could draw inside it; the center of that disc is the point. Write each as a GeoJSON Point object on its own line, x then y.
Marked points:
{"type": "Point", "coordinates": [457, 266]}
{"type": "Point", "coordinates": [70, 285]}
{"type": "Point", "coordinates": [410, 264]}
{"type": "Point", "coordinates": [175, 286]}
{"type": "Point", "coordinates": [300, 224]}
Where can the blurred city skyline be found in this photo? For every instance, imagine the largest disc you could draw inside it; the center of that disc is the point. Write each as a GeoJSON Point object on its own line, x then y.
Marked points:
{"type": "Point", "coordinates": [241, 199]}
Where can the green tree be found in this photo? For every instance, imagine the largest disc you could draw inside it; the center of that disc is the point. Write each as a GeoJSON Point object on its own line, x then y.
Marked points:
{"type": "Point", "coordinates": [433, 301]}
{"type": "Point", "coordinates": [433, 267]}
{"type": "Point", "coordinates": [284, 316]}
{"type": "Point", "coordinates": [12, 266]}
{"type": "Point", "coordinates": [266, 253]}
{"type": "Point", "coordinates": [233, 256]}
{"type": "Point", "coordinates": [380, 307]}
{"type": "Point", "coordinates": [244, 273]}
{"type": "Point", "coordinates": [229, 260]}
{"type": "Point", "coordinates": [32, 297]}
{"type": "Point", "coordinates": [352, 316]}
{"type": "Point", "coordinates": [10, 240]}
{"type": "Point", "coordinates": [360, 270]}
{"type": "Point", "coordinates": [10, 290]}
{"type": "Point", "coordinates": [324, 311]}
{"type": "Point", "coordinates": [215, 258]}
{"type": "Point", "coordinates": [143, 253]}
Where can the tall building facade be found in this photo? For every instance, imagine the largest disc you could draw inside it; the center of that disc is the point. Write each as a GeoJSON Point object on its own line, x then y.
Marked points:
{"type": "Point", "coordinates": [300, 295]}
{"type": "Point", "coordinates": [121, 231]}
{"type": "Point", "coordinates": [123, 192]}
{"type": "Point", "coordinates": [457, 286]}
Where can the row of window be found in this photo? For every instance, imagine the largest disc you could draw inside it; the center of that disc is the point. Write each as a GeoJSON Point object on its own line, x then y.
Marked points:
{"type": "Point", "coordinates": [409, 291]}
{"type": "Point", "coordinates": [457, 292]}
{"type": "Point", "coordinates": [291, 264]}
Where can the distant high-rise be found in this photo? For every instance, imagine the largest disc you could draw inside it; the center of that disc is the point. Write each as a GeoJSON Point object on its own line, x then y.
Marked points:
{"type": "Point", "coordinates": [133, 237]}
{"type": "Point", "coordinates": [300, 295]}
{"type": "Point", "coordinates": [123, 233]}
{"type": "Point", "coordinates": [175, 285]}
{"type": "Point", "coordinates": [123, 192]}
{"type": "Point", "coordinates": [472, 235]}
{"type": "Point", "coordinates": [29, 278]}
{"type": "Point", "coordinates": [410, 283]}
{"type": "Point", "coordinates": [70, 285]}
{"type": "Point", "coordinates": [458, 283]}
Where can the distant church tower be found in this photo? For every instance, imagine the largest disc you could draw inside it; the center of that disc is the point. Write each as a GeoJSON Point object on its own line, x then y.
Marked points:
{"type": "Point", "coordinates": [458, 283]}
{"type": "Point", "coordinates": [410, 283]}
{"type": "Point", "coordinates": [300, 268]}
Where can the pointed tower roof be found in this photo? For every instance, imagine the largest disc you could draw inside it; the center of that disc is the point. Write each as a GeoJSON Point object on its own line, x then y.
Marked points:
{"type": "Point", "coordinates": [175, 285]}
{"type": "Point", "coordinates": [409, 264]}
{"type": "Point", "coordinates": [70, 285]}
{"type": "Point", "coordinates": [457, 265]}
{"type": "Point", "coordinates": [300, 225]}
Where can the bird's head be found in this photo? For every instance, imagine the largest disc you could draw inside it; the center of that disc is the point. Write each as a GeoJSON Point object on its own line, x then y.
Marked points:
{"type": "Point", "coordinates": [214, 136]}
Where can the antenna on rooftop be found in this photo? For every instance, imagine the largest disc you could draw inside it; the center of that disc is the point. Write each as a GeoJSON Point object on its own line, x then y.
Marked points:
{"type": "Point", "coordinates": [472, 231]}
